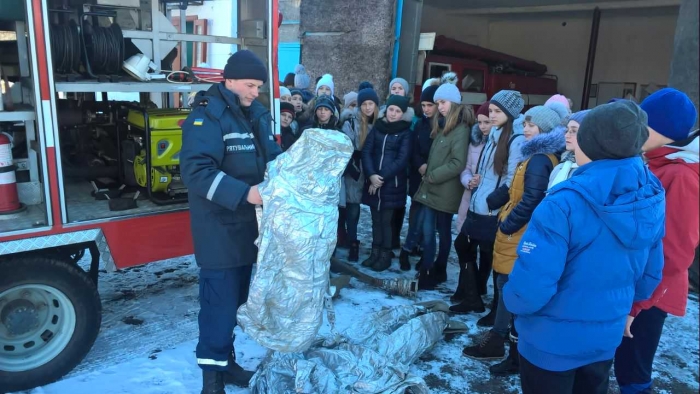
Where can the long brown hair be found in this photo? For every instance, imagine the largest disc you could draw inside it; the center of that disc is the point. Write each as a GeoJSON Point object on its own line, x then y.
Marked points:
{"type": "Point", "coordinates": [500, 158]}
{"type": "Point", "coordinates": [364, 124]}
{"type": "Point", "coordinates": [458, 113]}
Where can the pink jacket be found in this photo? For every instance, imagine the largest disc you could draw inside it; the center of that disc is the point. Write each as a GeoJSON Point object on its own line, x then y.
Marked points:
{"type": "Point", "coordinates": [467, 174]}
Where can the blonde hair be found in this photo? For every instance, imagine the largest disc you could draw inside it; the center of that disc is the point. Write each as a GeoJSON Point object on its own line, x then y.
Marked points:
{"type": "Point", "coordinates": [458, 113]}
{"type": "Point", "coordinates": [364, 124]}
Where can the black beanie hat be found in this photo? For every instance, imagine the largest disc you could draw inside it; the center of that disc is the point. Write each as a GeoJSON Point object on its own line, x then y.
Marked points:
{"type": "Point", "coordinates": [325, 101]}
{"type": "Point", "coordinates": [288, 108]}
{"type": "Point", "coordinates": [399, 101]}
{"type": "Point", "coordinates": [429, 94]}
{"type": "Point", "coordinates": [245, 65]}
{"type": "Point", "coordinates": [367, 94]}
{"type": "Point", "coordinates": [613, 131]}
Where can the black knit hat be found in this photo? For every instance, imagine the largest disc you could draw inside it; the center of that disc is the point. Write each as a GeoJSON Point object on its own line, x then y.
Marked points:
{"type": "Point", "coordinates": [367, 94]}
{"type": "Point", "coordinates": [429, 94]}
{"type": "Point", "coordinates": [399, 101]}
{"type": "Point", "coordinates": [613, 131]}
{"type": "Point", "coordinates": [325, 101]}
{"type": "Point", "coordinates": [288, 108]}
{"type": "Point", "coordinates": [245, 65]}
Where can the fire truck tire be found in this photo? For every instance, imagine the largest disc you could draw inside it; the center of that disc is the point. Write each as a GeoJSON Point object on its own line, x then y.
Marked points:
{"type": "Point", "coordinates": [50, 315]}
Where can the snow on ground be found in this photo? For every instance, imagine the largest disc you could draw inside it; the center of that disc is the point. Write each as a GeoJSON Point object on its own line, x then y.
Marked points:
{"type": "Point", "coordinates": [149, 332]}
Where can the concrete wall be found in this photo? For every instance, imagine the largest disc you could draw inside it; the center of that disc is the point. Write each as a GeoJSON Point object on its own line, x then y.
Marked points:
{"type": "Point", "coordinates": [633, 45]}
{"type": "Point", "coordinates": [289, 31]}
{"type": "Point", "coordinates": [362, 50]}
{"type": "Point", "coordinates": [684, 68]}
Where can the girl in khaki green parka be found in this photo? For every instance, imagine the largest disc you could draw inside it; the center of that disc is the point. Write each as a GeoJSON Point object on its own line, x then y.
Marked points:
{"type": "Point", "coordinates": [441, 190]}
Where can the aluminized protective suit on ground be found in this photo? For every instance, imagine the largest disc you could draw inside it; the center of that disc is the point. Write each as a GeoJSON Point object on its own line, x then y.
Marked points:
{"type": "Point", "coordinates": [298, 228]}
{"type": "Point", "coordinates": [372, 356]}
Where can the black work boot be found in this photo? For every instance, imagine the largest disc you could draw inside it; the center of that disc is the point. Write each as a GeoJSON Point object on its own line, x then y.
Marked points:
{"type": "Point", "coordinates": [471, 299]}
{"type": "Point", "coordinates": [426, 279]}
{"type": "Point", "coordinates": [490, 318]}
{"type": "Point", "coordinates": [383, 262]}
{"type": "Point", "coordinates": [511, 365]}
{"type": "Point", "coordinates": [488, 347]}
{"type": "Point", "coordinates": [213, 382]}
{"type": "Point", "coordinates": [440, 273]}
{"type": "Point", "coordinates": [235, 374]}
{"type": "Point", "coordinates": [403, 261]}
{"type": "Point", "coordinates": [354, 253]}
{"type": "Point", "coordinates": [373, 256]}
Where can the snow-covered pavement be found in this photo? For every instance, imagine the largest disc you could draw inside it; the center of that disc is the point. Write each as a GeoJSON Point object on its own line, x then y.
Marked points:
{"type": "Point", "coordinates": [149, 333]}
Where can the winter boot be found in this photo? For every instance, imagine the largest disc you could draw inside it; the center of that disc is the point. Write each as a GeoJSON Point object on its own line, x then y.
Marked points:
{"type": "Point", "coordinates": [426, 279]}
{"type": "Point", "coordinates": [403, 261]}
{"type": "Point", "coordinates": [213, 382]}
{"type": "Point", "coordinates": [511, 365]}
{"type": "Point", "coordinates": [458, 296]}
{"type": "Point", "coordinates": [472, 300]}
{"type": "Point", "coordinates": [354, 254]}
{"type": "Point", "coordinates": [373, 257]}
{"type": "Point", "coordinates": [490, 318]}
{"type": "Point", "coordinates": [236, 375]}
{"type": "Point", "coordinates": [383, 262]}
{"type": "Point", "coordinates": [489, 347]}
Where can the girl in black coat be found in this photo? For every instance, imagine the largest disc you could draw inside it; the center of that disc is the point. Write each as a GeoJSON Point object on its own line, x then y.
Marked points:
{"type": "Point", "coordinates": [385, 157]}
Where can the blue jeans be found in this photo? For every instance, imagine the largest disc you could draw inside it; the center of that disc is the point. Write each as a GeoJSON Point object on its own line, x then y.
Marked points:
{"type": "Point", "coordinates": [352, 217]}
{"type": "Point", "coordinates": [502, 322]}
{"type": "Point", "coordinates": [415, 226]}
{"type": "Point", "coordinates": [441, 221]}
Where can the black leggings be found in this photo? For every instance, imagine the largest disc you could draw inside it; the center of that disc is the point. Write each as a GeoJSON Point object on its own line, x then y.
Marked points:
{"type": "Point", "coordinates": [382, 223]}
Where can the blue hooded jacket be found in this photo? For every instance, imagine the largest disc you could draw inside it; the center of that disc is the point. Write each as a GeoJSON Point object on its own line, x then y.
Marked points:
{"type": "Point", "coordinates": [593, 247]}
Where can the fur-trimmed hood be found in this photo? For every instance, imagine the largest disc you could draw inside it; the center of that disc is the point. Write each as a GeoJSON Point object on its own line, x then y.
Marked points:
{"type": "Point", "coordinates": [349, 113]}
{"type": "Point", "coordinates": [547, 143]}
{"type": "Point", "coordinates": [478, 137]}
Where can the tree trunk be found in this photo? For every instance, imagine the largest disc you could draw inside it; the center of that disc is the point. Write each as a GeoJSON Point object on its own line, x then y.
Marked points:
{"type": "Point", "coordinates": [684, 65]}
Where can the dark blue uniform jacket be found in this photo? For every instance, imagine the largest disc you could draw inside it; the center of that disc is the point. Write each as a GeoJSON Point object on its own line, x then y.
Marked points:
{"type": "Point", "coordinates": [225, 150]}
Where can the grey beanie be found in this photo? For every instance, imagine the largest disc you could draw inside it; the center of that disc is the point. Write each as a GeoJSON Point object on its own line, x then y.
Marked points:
{"type": "Point", "coordinates": [510, 102]}
{"type": "Point", "coordinates": [403, 84]}
{"type": "Point", "coordinates": [349, 98]}
{"type": "Point", "coordinates": [546, 117]}
{"type": "Point", "coordinates": [613, 131]}
{"type": "Point", "coordinates": [302, 80]}
{"type": "Point", "coordinates": [448, 92]}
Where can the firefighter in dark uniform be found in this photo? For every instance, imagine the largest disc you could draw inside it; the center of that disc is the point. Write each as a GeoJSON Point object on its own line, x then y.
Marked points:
{"type": "Point", "coordinates": [226, 143]}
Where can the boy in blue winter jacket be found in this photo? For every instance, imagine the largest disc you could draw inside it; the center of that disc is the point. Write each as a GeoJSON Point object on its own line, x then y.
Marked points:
{"type": "Point", "coordinates": [593, 248]}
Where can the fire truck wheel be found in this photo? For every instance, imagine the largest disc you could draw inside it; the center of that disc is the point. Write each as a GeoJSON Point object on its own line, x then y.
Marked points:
{"type": "Point", "coordinates": [50, 314]}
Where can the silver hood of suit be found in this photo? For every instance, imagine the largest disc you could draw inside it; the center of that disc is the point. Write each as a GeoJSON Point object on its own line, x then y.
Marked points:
{"type": "Point", "coordinates": [298, 225]}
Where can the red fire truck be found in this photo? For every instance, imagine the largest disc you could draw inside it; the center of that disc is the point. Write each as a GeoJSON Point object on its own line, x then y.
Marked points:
{"type": "Point", "coordinates": [482, 72]}
{"type": "Point", "coordinates": [93, 173]}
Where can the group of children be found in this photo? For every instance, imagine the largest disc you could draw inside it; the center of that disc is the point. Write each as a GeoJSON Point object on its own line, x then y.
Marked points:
{"type": "Point", "coordinates": [565, 211]}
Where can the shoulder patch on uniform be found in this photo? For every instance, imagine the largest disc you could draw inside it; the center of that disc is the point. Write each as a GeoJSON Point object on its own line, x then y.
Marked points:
{"type": "Point", "coordinates": [198, 122]}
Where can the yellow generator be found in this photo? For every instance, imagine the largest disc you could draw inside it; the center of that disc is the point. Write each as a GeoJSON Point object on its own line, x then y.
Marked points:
{"type": "Point", "coordinates": [159, 156]}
